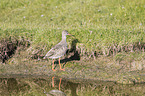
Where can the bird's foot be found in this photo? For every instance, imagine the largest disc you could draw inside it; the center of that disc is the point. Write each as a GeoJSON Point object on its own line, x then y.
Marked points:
{"type": "Point", "coordinates": [53, 69]}
{"type": "Point", "coordinates": [62, 69]}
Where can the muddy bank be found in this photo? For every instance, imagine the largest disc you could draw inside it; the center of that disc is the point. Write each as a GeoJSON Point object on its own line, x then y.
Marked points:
{"type": "Point", "coordinates": [12, 46]}
{"type": "Point", "coordinates": [126, 66]}
{"type": "Point", "coordinates": [100, 69]}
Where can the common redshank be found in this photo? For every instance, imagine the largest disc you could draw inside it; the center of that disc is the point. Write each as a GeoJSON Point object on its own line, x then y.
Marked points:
{"type": "Point", "coordinates": [58, 50]}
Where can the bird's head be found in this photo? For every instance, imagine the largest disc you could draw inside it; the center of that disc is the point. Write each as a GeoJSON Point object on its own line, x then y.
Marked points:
{"type": "Point", "coordinates": [65, 32]}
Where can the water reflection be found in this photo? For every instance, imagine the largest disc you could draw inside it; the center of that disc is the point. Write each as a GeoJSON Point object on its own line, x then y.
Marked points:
{"type": "Point", "coordinates": [65, 86]}
{"type": "Point", "coordinates": [55, 92]}
{"type": "Point", "coordinates": [54, 86]}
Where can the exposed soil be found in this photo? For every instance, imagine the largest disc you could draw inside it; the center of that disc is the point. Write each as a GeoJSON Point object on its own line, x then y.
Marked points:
{"type": "Point", "coordinates": [10, 46]}
{"type": "Point", "coordinates": [79, 64]}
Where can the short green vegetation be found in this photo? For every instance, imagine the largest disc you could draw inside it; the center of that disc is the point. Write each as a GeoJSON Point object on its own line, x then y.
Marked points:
{"type": "Point", "coordinates": [95, 23]}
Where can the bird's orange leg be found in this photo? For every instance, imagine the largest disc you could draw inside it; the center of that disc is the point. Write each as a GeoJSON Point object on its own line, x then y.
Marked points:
{"type": "Point", "coordinates": [53, 66]}
{"type": "Point", "coordinates": [60, 66]}
{"type": "Point", "coordinates": [52, 81]}
{"type": "Point", "coordinates": [60, 83]}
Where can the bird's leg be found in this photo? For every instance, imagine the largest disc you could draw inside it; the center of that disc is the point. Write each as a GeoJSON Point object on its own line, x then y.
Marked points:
{"type": "Point", "coordinates": [53, 65]}
{"type": "Point", "coordinates": [60, 66]}
{"type": "Point", "coordinates": [52, 81]}
{"type": "Point", "coordinates": [60, 83]}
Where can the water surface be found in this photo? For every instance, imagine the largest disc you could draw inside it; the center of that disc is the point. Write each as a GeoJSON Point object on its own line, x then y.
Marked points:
{"type": "Point", "coordinates": [16, 85]}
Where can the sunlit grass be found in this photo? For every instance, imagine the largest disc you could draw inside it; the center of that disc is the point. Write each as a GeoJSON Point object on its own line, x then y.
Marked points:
{"type": "Point", "coordinates": [94, 23]}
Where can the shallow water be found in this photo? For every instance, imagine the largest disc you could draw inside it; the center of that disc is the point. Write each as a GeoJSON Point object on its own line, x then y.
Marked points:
{"type": "Point", "coordinates": [18, 85]}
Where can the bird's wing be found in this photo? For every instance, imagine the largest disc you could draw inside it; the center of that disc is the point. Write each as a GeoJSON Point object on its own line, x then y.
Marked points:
{"type": "Point", "coordinates": [49, 53]}
{"type": "Point", "coordinates": [54, 49]}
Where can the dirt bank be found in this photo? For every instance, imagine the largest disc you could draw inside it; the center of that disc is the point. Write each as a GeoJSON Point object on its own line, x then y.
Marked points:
{"type": "Point", "coordinates": [123, 67]}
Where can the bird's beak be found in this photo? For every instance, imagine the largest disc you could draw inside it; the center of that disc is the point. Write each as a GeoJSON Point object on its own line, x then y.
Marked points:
{"type": "Point", "coordinates": [71, 35]}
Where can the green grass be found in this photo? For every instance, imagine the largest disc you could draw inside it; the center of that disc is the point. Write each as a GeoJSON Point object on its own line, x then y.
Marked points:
{"type": "Point", "coordinates": [95, 23]}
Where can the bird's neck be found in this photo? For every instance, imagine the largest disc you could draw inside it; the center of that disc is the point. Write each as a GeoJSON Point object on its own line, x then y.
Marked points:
{"type": "Point", "coordinates": [63, 38]}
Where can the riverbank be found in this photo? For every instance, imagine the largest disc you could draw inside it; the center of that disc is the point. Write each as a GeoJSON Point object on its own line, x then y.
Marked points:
{"type": "Point", "coordinates": [109, 41]}
{"type": "Point", "coordinates": [103, 68]}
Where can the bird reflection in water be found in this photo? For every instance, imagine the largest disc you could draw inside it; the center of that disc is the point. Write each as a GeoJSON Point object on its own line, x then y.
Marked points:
{"type": "Point", "coordinates": [55, 92]}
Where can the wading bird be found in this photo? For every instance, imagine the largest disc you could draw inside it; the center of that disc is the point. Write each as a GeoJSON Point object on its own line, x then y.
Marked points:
{"type": "Point", "coordinates": [58, 50]}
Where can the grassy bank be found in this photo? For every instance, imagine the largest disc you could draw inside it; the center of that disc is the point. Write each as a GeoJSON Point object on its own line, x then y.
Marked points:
{"type": "Point", "coordinates": [109, 28]}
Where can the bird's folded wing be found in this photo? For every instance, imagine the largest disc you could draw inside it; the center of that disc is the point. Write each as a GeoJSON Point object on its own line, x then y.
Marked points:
{"type": "Point", "coordinates": [53, 50]}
